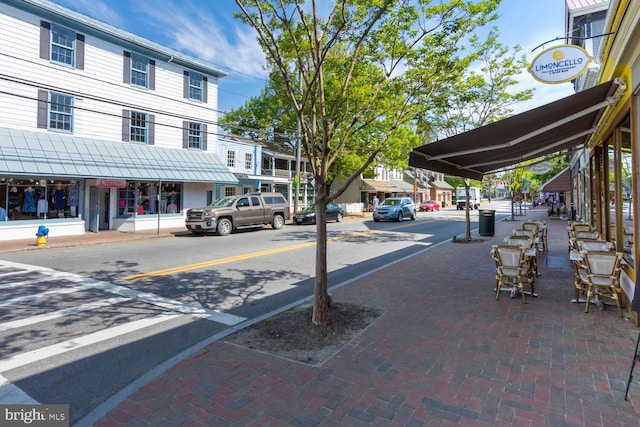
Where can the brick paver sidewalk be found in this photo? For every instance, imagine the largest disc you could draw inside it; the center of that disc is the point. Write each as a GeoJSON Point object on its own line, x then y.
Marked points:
{"type": "Point", "coordinates": [444, 353]}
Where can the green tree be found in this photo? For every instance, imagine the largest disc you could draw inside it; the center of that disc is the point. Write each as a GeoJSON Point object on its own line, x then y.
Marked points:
{"type": "Point", "coordinates": [355, 79]}
{"type": "Point", "coordinates": [473, 99]}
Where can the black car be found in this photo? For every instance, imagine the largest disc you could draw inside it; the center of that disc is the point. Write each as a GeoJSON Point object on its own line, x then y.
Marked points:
{"type": "Point", "coordinates": [308, 215]}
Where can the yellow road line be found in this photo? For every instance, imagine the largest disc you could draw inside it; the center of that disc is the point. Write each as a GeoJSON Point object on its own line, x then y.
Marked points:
{"type": "Point", "coordinates": [243, 257]}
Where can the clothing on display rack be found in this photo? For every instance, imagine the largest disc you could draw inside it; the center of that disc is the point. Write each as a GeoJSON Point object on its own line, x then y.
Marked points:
{"type": "Point", "coordinates": [43, 203]}
{"type": "Point", "coordinates": [29, 203]}
{"type": "Point", "coordinates": [59, 197]}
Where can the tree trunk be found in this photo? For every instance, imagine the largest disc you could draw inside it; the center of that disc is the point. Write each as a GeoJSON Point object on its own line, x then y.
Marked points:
{"type": "Point", "coordinates": [467, 211]}
{"type": "Point", "coordinates": [320, 293]}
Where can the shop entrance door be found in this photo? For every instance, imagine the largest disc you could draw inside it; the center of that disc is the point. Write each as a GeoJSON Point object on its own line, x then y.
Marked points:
{"type": "Point", "coordinates": [104, 209]}
{"type": "Point", "coordinates": [94, 209]}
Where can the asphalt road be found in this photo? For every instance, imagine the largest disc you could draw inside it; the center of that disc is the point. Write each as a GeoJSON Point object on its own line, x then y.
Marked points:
{"type": "Point", "coordinates": [81, 325]}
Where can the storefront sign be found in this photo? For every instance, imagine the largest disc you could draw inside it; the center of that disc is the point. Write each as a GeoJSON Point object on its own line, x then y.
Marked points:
{"type": "Point", "coordinates": [111, 183]}
{"type": "Point", "coordinates": [560, 64]}
{"type": "Point", "coordinates": [540, 168]}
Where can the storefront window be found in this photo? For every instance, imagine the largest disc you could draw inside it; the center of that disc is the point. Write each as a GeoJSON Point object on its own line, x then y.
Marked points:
{"type": "Point", "coordinates": [141, 198]}
{"type": "Point", "coordinates": [625, 187]}
{"type": "Point", "coordinates": [38, 198]}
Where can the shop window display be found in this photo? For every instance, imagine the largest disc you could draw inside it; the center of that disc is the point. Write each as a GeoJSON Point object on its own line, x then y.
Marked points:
{"type": "Point", "coordinates": [30, 198]}
{"type": "Point", "coordinates": [141, 198]}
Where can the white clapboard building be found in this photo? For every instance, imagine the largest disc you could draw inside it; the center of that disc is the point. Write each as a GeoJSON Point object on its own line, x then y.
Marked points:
{"type": "Point", "coordinates": [100, 129]}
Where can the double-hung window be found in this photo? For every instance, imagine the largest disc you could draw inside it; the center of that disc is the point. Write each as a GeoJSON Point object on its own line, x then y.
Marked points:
{"type": "Point", "coordinates": [139, 70]}
{"type": "Point", "coordinates": [138, 129]}
{"type": "Point", "coordinates": [195, 86]}
{"type": "Point", "coordinates": [63, 44]}
{"type": "Point", "coordinates": [60, 112]}
{"type": "Point", "coordinates": [248, 161]}
{"type": "Point", "coordinates": [231, 159]}
{"type": "Point", "coordinates": [195, 135]}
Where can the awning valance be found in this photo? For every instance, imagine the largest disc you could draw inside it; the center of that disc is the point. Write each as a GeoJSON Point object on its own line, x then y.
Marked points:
{"type": "Point", "coordinates": [553, 127]}
{"type": "Point", "coordinates": [441, 185]}
{"type": "Point", "coordinates": [559, 183]}
{"type": "Point", "coordinates": [48, 154]}
{"type": "Point", "coordinates": [391, 186]}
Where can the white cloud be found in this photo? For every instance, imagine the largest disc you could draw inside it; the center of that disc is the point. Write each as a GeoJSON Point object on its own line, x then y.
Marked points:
{"type": "Point", "coordinates": [96, 9]}
{"type": "Point", "coordinates": [203, 36]}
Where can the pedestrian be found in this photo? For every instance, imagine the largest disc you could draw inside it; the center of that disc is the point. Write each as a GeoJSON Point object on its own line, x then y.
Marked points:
{"type": "Point", "coordinates": [375, 202]}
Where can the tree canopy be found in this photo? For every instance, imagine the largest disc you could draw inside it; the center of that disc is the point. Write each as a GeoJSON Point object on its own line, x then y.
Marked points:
{"type": "Point", "coordinates": [356, 76]}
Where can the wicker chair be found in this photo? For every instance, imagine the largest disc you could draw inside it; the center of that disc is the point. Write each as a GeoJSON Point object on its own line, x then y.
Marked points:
{"type": "Point", "coordinates": [602, 276]}
{"type": "Point", "coordinates": [511, 269]}
{"type": "Point", "coordinates": [527, 243]}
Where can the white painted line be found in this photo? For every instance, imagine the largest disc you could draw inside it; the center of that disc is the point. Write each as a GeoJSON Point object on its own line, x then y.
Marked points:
{"type": "Point", "coordinates": [11, 273]}
{"type": "Point", "coordinates": [149, 298]}
{"type": "Point", "coordinates": [60, 313]}
{"type": "Point", "coordinates": [29, 357]}
{"type": "Point", "coordinates": [23, 283]}
{"type": "Point", "coordinates": [171, 304]}
{"type": "Point", "coordinates": [41, 295]}
{"type": "Point", "coordinates": [13, 395]}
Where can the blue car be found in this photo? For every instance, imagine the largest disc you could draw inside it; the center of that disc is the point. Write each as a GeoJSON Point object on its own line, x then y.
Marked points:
{"type": "Point", "coordinates": [395, 209]}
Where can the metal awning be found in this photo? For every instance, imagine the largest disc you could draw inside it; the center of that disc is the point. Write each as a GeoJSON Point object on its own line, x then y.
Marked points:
{"type": "Point", "coordinates": [50, 154]}
{"type": "Point", "coordinates": [559, 183]}
{"type": "Point", "coordinates": [553, 127]}
{"type": "Point", "coordinates": [442, 185]}
{"type": "Point", "coordinates": [391, 186]}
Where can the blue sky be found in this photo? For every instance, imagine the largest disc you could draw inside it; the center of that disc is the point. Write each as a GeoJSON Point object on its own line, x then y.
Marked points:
{"type": "Point", "coordinates": [207, 29]}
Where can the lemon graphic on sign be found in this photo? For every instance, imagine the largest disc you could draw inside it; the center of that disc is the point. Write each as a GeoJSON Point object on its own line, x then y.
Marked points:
{"type": "Point", "coordinates": [557, 55]}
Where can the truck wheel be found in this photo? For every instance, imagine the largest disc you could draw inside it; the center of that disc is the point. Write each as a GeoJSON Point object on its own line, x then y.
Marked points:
{"type": "Point", "coordinates": [277, 222]}
{"type": "Point", "coordinates": [224, 227]}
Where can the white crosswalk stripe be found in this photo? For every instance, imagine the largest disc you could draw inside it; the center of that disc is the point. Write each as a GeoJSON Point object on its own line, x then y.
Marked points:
{"type": "Point", "coordinates": [60, 313]}
{"type": "Point", "coordinates": [26, 358]}
{"type": "Point", "coordinates": [173, 310]}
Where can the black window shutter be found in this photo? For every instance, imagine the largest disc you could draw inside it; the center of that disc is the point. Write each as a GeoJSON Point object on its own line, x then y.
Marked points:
{"type": "Point", "coordinates": [43, 109]}
{"type": "Point", "coordinates": [126, 123]}
{"type": "Point", "coordinates": [204, 137]}
{"type": "Point", "coordinates": [152, 74]}
{"type": "Point", "coordinates": [151, 127]}
{"type": "Point", "coordinates": [204, 89]}
{"type": "Point", "coordinates": [45, 39]}
{"type": "Point", "coordinates": [126, 67]}
{"type": "Point", "coordinates": [185, 85]}
{"type": "Point", "coordinates": [79, 51]}
{"type": "Point", "coordinates": [185, 134]}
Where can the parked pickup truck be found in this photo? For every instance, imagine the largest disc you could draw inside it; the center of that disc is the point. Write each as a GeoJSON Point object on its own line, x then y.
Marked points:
{"type": "Point", "coordinates": [248, 210]}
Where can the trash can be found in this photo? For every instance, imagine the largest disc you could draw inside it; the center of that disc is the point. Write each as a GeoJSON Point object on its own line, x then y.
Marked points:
{"type": "Point", "coordinates": [487, 222]}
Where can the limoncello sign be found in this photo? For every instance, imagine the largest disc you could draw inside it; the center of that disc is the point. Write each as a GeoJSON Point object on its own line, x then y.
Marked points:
{"type": "Point", "coordinates": [560, 64]}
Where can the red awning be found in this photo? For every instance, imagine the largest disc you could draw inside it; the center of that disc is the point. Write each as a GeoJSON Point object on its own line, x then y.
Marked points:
{"type": "Point", "coordinates": [566, 123]}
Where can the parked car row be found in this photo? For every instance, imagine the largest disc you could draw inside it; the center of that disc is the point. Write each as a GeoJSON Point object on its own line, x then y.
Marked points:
{"type": "Point", "coordinates": [257, 209]}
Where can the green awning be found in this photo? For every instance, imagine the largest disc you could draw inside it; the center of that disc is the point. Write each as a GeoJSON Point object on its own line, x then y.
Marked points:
{"type": "Point", "coordinates": [50, 154]}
